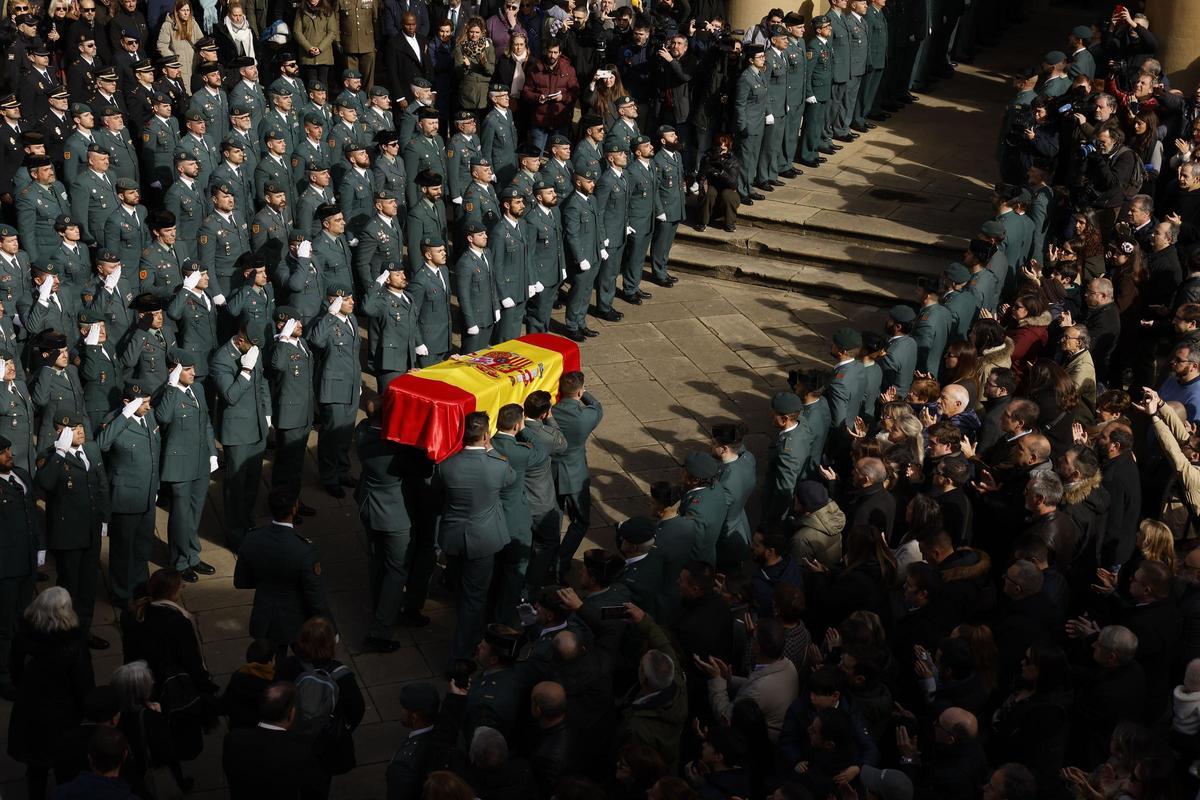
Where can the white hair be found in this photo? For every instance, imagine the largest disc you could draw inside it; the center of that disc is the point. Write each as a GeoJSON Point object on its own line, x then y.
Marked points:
{"type": "Point", "coordinates": [51, 611]}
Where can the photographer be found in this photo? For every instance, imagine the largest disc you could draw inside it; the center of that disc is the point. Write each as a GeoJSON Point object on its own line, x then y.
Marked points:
{"type": "Point", "coordinates": [676, 66]}
{"type": "Point", "coordinates": [1032, 135]}
{"type": "Point", "coordinates": [585, 44]}
{"type": "Point", "coordinates": [1109, 170]}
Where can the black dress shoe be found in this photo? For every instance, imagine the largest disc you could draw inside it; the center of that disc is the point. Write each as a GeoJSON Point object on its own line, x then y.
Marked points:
{"type": "Point", "coordinates": [701, 228]}
{"type": "Point", "coordinates": [790, 173]}
{"type": "Point", "coordinates": [576, 336]}
{"type": "Point", "coordinates": [730, 228]}
{"type": "Point", "coordinates": [203, 568]}
{"type": "Point", "coordinates": [96, 643]}
{"type": "Point", "coordinates": [747, 200]}
{"type": "Point", "coordinates": [879, 117]}
{"type": "Point", "coordinates": [757, 196]}
{"type": "Point", "coordinates": [378, 644]}
{"type": "Point", "coordinates": [189, 575]}
{"type": "Point", "coordinates": [871, 126]}
{"type": "Point", "coordinates": [335, 491]}
{"type": "Point", "coordinates": [763, 186]}
{"type": "Point", "coordinates": [666, 284]}
{"type": "Point", "coordinates": [413, 619]}
{"type": "Point", "coordinates": [589, 333]}
{"type": "Point", "coordinates": [632, 299]}
{"type": "Point", "coordinates": [644, 295]}
{"type": "Point", "coordinates": [612, 315]}
{"type": "Point", "coordinates": [860, 128]}
{"type": "Point", "coordinates": [307, 511]}
{"type": "Point", "coordinates": [810, 164]}
{"type": "Point", "coordinates": [671, 279]}
{"type": "Point", "coordinates": [776, 182]}
{"type": "Point", "coordinates": [847, 138]}
{"type": "Point", "coordinates": [910, 98]}
{"type": "Point", "coordinates": [822, 160]}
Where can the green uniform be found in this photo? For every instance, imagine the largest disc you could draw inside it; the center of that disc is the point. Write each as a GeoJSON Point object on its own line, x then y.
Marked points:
{"type": "Point", "coordinates": [59, 313]}
{"type": "Point", "coordinates": [253, 307]}
{"type": "Point", "coordinates": [126, 234]}
{"type": "Point", "coordinates": [817, 416]}
{"type": "Point", "coordinates": [857, 53]}
{"type": "Point", "coordinates": [339, 384]}
{"type": "Point", "coordinates": [1055, 87]}
{"type": "Point", "coordinates": [380, 240]}
{"type": "Point", "coordinates": [513, 560]}
{"type": "Point", "coordinates": [543, 499]}
{"type": "Point", "coordinates": [587, 155]}
{"type": "Point", "coordinates": [820, 86]}
{"type": "Point", "coordinates": [737, 480]}
{"type": "Point", "coordinates": [331, 255]}
{"type": "Point", "coordinates": [644, 578]}
{"type": "Point", "coordinates": [473, 530]}
{"type": "Point", "coordinates": [986, 288]}
{"type": "Point", "coordinates": [426, 220]}
{"type": "Point", "coordinates": [17, 421]}
{"type": "Point", "coordinates": [307, 150]}
{"type": "Point", "coordinates": [431, 298]}
{"type": "Point", "coordinates": [898, 364]}
{"type": "Point", "coordinates": [159, 270]}
{"type": "Point", "coordinates": [122, 155]}
{"type": "Point", "coordinates": [357, 197]}
{"type": "Point", "coordinates": [195, 318]}
{"type": "Point", "coordinates": [270, 225]}
{"type": "Point", "coordinates": [623, 132]}
{"type": "Point", "coordinates": [480, 205]}
{"type": "Point", "coordinates": [312, 198]}
{"type": "Point", "coordinates": [131, 448]}
{"type": "Point", "coordinates": [376, 119]}
{"type": "Point", "coordinates": [707, 507]}
{"type": "Point", "coordinates": [669, 208]}
{"type": "Point", "coordinates": [241, 180]}
{"type": "Point", "coordinates": [249, 96]}
{"type": "Point", "coordinates": [423, 152]}
{"type": "Point", "coordinates": [284, 570]}
{"type": "Point", "coordinates": [299, 285]}
{"type": "Point", "coordinates": [932, 332]}
{"type": "Point", "coordinates": [643, 198]}
{"type": "Point", "coordinates": [213, 105]}
{"type": "Point", "coordinates": [56, 392]}
{"type": "Point", "coordinates": [143, 354]}
{"type": "Point", "coordinates": [93, 199]}
{"type": "Point", "coordinates": [877, 61]}
{"type": "Point", "coordinates": [273, 169]}
{"type": "Point", "coordinates": [576, 419]}
{"type": "Point", "coordinates": [845, 392]}
{"type": "Point", "coordinates": [291, 377]}
{"type": "Point", "coordinates": [510, 269]}
{"type": "Point", "coordinates": [188, 447]}
{"type": "Point", "coordinates": [100, 374]}
{"type": "Point", "coordinates": [581, 232]}
{"type": "Point", "coordinates": [962, 307]}
{"type": "Point", "coordinates": [287, 125]}
{"type": "Point", "coordinates": [38, 206]}
{"type": "Point", "coordinates": [750, 113]}
{"type": "Point", "coordinates": [340, 135]}
{"type": "Point", "coordinates": [475, 287]}
{"type": "Point", "coordinates": [612, 204]}
{"type": "Point", "coordinates": [248, 141]}
{"type": "Point", "coordinates": [75, 155]}
{"type": "Point", "coordinates": [796, 79]}
{"type": "Point", "coordinates": [547, 264]}
{"type": "Point", "coordinates": [459, 152]}
{"type": "Point", "coordinates": [73, 262]}
{"type": "Point", "coordinates": [498, 144]}
{"type": "Point", "coordinates": [559, 173]}
{"type": "Point", "coordinates": [74, 485]}
{"type": "Point", "coordinates": [391, 333]}
{"type": "Point", "coordinates": [243, 408]}
{"type": "Point", "coordinates": [221, 242]}
{"type": "Point", "coordinates": [18, 559]}
{"type": "Point", "coordinates": [524, 181]}
{"type": "Point", "coordinates": [206, 153]}
{"type": "Point", "coordinates": [389, 175]}
{"type": "Point", "coordinates": [185, 201]}
{"type": "Point", "coordinates": [787, 455]}
{"type": "Point", "coordinates": [775, 77]}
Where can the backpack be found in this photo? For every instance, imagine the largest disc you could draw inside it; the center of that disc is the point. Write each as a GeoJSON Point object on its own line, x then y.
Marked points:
{"type": "Point", "coordinates": [319, 717]}
{"type": "Point", "coordinates": [1134, 185]}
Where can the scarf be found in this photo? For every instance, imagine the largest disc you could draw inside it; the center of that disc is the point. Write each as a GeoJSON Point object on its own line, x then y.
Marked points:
{"type": "Point", "coordinates": [264, 671]}
{"type": "Point", "coordinates": [242, 36]}
{"type": "Point", "coordinates": [518, 81]}
{"type": "Point", "coordinates": [188, 616]}
{"type": "Point", "coordinates": [208, 19]}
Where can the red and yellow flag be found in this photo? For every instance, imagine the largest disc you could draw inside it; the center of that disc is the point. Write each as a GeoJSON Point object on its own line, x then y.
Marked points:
{"type": "Point", "coordinates": [426, 408]}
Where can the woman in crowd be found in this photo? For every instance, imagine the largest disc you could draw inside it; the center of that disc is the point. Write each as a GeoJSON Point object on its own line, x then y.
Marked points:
{"type": "Point", "coordinates": [474, 59]}
{"type": "Point", "coordinates": [178, 37]}
{"type": "Point", "coordinates": [511, 69]}
{"type": "Point", "coordinates": [52, 671]}
{"type": "Point", "coordinates": [146, 727]}
{"type": "Point", "coordinates": [718, 173]}
{"type": "Point", "coordinates": [1031, 725]}
{"type": "Point", "coordinates": [235, 36]}
{"type": "Point", "coordinates": [863, 582]}
{"type": "Point", "coordinates": [1029, 331]}
{"type": "Point", "coordinates": [503, 25]}
{"type": "Point", "coordinates": [600, 96]}
{"type": "Point", "coordinates": [316, 28]}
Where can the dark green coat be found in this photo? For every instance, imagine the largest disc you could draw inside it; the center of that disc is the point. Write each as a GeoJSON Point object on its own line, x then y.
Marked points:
{"type": "Point", "coordinates": [76, 498]}
{"type": "Point", "coordinates": [931, 331]}
{"type": "Point", "coordinates": [291, 378]}
{"type": "Point", "coordinates": [20, 526]}
{"type": "Point", "coordinates": [576, 419]}
{"type": "Point", "coordinates": [391, 332]}
{"type": "Point", "coordinates": [512, 497]}
{"type": "Point", "coordinates": [737, 479]}
{"type": "Point", "coordinates": [284, 570]}
{"type": "Point", "coordinates": [132, 453]}
{"type": "Point", "coordinates": [431, 298]}
{"type": "Point", "coordinates": [339, 375]}
{"type": "Point", "coordinates": [243, 405]}
{"type": "Point", "coordinates": [187, 432]}
{"type": "Point", "coordinates": [787, 455]}
{"type": "Point", "coordinates": [845, 393]}
{"type": "Point", "coordinates": [473, 524]}
{"type": "Point", "coordinates": [380, 490]}
{"type": "Point", "coordinates": [898, 364]}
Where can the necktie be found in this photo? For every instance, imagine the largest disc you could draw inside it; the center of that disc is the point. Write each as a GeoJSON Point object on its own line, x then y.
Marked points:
{"type": "Point", "coordinates": [442, 278]}
{"type": "Point", "coordinates": [454, 18]}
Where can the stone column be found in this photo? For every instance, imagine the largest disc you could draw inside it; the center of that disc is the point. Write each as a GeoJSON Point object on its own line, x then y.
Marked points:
{"type": "Point", "coordinates": [745, 14]}
{"type": "Point", "coordinates": [1176, 23]}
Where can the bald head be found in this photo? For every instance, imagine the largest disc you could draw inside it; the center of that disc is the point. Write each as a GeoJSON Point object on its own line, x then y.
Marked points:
{"type": "Point", "coordinates": [549, 700]}
{"type": "Point", "coordinates": [566, 646]}
{"type": "Point", "coordinates": [954, 399]}
{"type": "Point", "coordinates": [959, 723]}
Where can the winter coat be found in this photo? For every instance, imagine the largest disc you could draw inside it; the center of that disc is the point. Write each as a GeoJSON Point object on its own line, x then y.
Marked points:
{"type": "Point", "coordinates": [1029, 337]}
{"type": "Point", "coordinates": [541, 79]}
{"type": "Point", "coordinates": [53, 674]}
{"type": "Point", "coordinates": [1000, 356]}
{"type": "Point", "coordinates": [966, 585]}
{"type": "Point", "coordinates": [771, 686]}
{"type": "Point", "coordinates": [474, 80]}
{"type": "Point", "coordinates": [1186, 708]}
{"type": "Point", "coordinates": [819, 535]}
{"type": "Point", "coordinates": [316, 30]}
{"type": "Point", "coordinates": [185, 49]}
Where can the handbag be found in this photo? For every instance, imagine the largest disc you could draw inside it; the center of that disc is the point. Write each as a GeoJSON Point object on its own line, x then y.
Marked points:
{"type": "Point", "coordinates": [159, 780]}
{"type": "Point", "coordinates": [177, 692]}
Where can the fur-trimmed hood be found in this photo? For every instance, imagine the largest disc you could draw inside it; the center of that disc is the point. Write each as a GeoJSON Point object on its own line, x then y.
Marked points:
{"type": "Point", "coordinates": [965, 564]}
{"type": "Point", "coordinates": [1042, 320]}
{"type": "Point", "coordinates": [1076, 493]}
{"type": "Point", "coordinates": [1000, 355]}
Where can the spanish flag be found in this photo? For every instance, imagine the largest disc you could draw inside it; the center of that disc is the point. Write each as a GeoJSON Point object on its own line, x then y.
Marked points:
{"type": "Point", "coordinates": [425, 408]}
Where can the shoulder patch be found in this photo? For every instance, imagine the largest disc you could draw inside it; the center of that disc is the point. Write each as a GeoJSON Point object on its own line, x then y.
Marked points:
{"type": "Point", "coordinates": [67, 154]}
{"type": "Point", "coordinates": [145, 137]}
{"type": "Point", "coordinates": [316, 567]}
{"type": "Point", "coordinates": [255, 228]}
{"type": "Point", "coordinates": [142, 274]}
{"type": "Point", "coordinates": [808, 54]}
{"type": "Point", "coordinates": [203, 239]}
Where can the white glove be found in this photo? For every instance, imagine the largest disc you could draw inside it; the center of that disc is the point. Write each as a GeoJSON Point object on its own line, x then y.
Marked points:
{"type": "Point", "coordinates": [156, 185]}
{"type": "Point", "coordinates": [496, 312]}
{"type": "Point", "coordinates": [131, 408]}
{"type": "Point", "coordinates": [112, 279]}
{"type": "Point", "coordinates": [103, 530]}
{"type": "Point", "coordinates": [305, 249]}
{"type": "Point", "coordinates": [173, 378]}
{"type": "Point", "coordinates": [93, 336]}
{"type": "Point", "coordinates": [289, 328]}
{"type": "Point", "coordinates": [250, 357]}
{"type": "Point", "coordinates": [810, 100]}
{"type": "Point", "coordinates": [382, 279]}
{"type": "Point", "coordinates": [212, 464]}
{"type": "Point", "coordinates": [269, 421]}
{"type": "Point", "coordinates": [583, 266]}
{"type": "Point", "coordinates": [422, 350]}
{"type": "Point", "coordinates": [604, 253]}
{"type": "Point", "coordinates": [41, 558]}
{"type": "Point", "coordinates": [540, 287]}
{"type": "Point", "coordinates": [532, 289]}
{"type": "Point", "coordinates": [564, 275]}
{"type": "Point", "coordinates": [63, 443]}
{"type": "Point", "coordinates": [661, 217]}
{"type": "Point", "coordinates": [335, 306]}
{"type": "Point", "coordinates": [219, 300]}
{"type": "Point", "coordinates": [770, 119]}
{"type": "Point", "coordinates": [473, 330]}
{"type": "Point", "coordinates": [45, 290]}
{"type": "Point", "coordinates": [508, 303]}
{"type": "Point", "coordinates": [354, 242]}
{"type": "Point", "coordinates": [191, 281]}
{"type": "Point", "coordinates": [457, 201]}
{"type": "Point", "coordinates": [492, 179]}
{"type": "Point", "coordinates": [606, 242]}
{"type": "Point", "coordinates": [629, 230]}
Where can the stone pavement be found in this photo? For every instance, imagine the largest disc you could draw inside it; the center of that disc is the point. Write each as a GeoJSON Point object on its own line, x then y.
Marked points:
{"type": "Point", "coordinates": [704, 351]}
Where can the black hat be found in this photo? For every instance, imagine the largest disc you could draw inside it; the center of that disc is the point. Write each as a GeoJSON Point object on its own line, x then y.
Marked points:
{"type": "Point", "coordinates": [327, 210]}
{"type": "Point", "coordinates": [811, 495]}
{"type": "Point", "coordinates": [146, 303]}
{"type": "Point", "coordinates": [64, 221]}
{"type": "Point", "coordinates": [637, 530]}
{"type": "Point", "coordinates": [590, 122]}
{"type": "Point", "coordinates": [787, 403]}
{"type": "Point", "coordinates": [68, 420]}
{"type": "Point", "coordinates": [241, 62]}
{"type": "Point", "coordinates": [209, 68]}
{"type": "Point", "coordinates": [602, 565]}
{"type": "Point", "coordinates": [50, 340]}
{"type": "Point", "coordinates": [134, 389]}
{"type": "Point", "coordinates": [386, 137]}
{"type": "Point", "coordinates": [529, 150]}
{"type": "Point", "coordinates": [420, 698]}
{"type": "Point", "coordinates": [847, 338]}
{"type": "Point", "coordinates": [428, 177]}
{"type": "Point", "coordinates": [505, 641]}
{"type": "Point", "coordinates": [37, 162]}
{"type": "Point", "coordinates": [4, 444]}
{"type": "Point", "coordinates": [284, 313]}
{"type": "Point", "coordinates": [427, 112]}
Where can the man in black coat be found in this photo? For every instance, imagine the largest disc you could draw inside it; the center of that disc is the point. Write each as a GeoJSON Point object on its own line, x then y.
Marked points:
{"type": "Point", "coordinates": [419, 706]}
{"type": "Point", "coordinates": [267, 760]}
{"type": "Point", "coordinates": [1121, 479]}
{"type": "Point", "coordinates": [1110, 688]}
{"type": "Point", "coordinates": [407, 58]}
{"type": "Point", "coordinates": [1027, 617]}
{"type": "Point", "coordinates": [998, 392]}
{"type": "Point", "coordinates": [871, 503]}
{"type": "Point", "coordinates": [18, 555]}
{"type": "Point", "coordinates": [1103, 321]}
{"type": "Point", "coordinates": [552, 753]}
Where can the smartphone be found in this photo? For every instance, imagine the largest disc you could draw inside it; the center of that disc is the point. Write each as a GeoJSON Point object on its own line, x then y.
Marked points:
{"type": "Point", "coordinates": [613, 612]}
{"type": "Point", "coordinates": [527, 614]}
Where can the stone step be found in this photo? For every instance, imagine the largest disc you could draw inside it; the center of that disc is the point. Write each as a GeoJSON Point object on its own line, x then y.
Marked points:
{"type": "Point", "coordinates": [846, 281]}
{"type": "Point", "coordinates": [838, 257]}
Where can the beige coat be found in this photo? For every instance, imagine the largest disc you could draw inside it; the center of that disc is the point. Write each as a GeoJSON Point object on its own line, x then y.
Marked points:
{"type": "Point", "coordinates": [1083, 375]}
{"type": "Point", "coordinates": [184, 49]}
{"type": "Point", "coordinates": [1171, 431]}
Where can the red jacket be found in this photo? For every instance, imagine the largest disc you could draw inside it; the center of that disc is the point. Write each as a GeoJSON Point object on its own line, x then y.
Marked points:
{"type": "Point", "coordinates": [544, 80]}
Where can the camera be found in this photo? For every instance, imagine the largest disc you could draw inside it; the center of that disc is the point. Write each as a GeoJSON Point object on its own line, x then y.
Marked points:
{"type": "Point", "coordinates": [1087, 148]}
{"type": "Point", "coordinates": [460, 672]}
{"type": "Point", "coordinates": [1022, 120]}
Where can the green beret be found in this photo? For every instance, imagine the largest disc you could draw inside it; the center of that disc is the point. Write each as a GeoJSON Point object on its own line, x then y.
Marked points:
{"type": "Point", "coordinates": [701, 465]}
{"type": "Point", "coordinates": [787, 403]}
{"type": "Point", "coordinates": [847, 339]}
{"type": "Point", "coordinates": [902, 314]}
{"type": "Point", "coordinates": [957, 273]}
